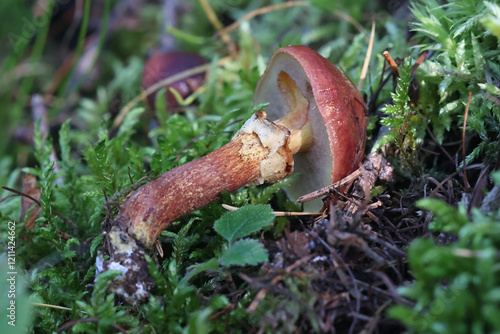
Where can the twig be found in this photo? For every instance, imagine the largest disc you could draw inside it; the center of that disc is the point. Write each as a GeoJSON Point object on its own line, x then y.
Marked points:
{"type": "Point", "coordinates": [20, 193]}
{"type": "Point", "coordinates": [337, 261]}
{"type": "Point", "coordinates": [466, 183]}
{"type": "Point", "coordinates": [261, 294]}
{"type": "Point", "coordinates": [326, 190]}
{"type": "Point", "coordinates": [57, 307]}
{"type": "Point", "coordinates": [349, 19]}
{"type": "Point", "coordinates": [392, 63]}
{"type": "Point", "coordinates": [385, 293]}
{"type": "Point", "coordinates": [375, 166]}
{"type": "Point", "coordinates": [273, 288]}
{"type": "Point", "coordinates": [449, 177]}
{"type": "Point", "coordinates": [419, 61]}
{"type": "Point", "coordinates": [364, 71]}
{"type": "Point", "coordinates": [440, 146]}
{"type": "Point", "coordinates": [372, 322]}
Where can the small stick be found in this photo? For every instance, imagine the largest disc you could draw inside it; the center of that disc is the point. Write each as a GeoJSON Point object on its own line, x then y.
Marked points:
{"type": "Point", "coordinates": [392, 63]}
{"type": "Point", "coordinates": [367, 58]}
{"type": "Point", "coordinates": [452, 175]}
{"type": "Point", "coordinates": [261, 294]}
{"type": "Point", "coordinates": [326, 190]}
{"type": "Point", "coordinates": [349, 19]}
{"type": "Point", "coordinates": [277, 213]}
{"type": "Point", "coordinates": [55, 307]}
{"type": "Point", "coordinates": [420, 60]}
{"type": "Point", "coordinates": [466, 183]}
{"type": "Point", "coordinates": [37, 202]}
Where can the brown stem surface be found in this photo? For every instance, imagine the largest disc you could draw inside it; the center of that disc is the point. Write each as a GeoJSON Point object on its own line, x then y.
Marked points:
{"type": "Point", "coordinates": [151, 209]}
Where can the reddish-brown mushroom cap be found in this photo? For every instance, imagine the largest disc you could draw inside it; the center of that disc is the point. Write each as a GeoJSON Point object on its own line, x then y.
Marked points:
{"type": "Point", "coordinates": [336, 111]}
{"type": "Point", "coordinates": [164, 65]}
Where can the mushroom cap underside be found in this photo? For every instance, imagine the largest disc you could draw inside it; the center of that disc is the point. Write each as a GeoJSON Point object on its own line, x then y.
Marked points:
{"type": "Point", "coordinates": [336, 112]}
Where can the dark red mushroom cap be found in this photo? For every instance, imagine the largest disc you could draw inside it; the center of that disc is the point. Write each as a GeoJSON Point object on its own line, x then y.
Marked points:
{"type": "Point", "coordinates": [164, 65]}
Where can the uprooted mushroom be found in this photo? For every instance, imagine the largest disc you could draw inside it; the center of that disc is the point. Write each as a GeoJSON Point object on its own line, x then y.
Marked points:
{"type": "Point", "coordinates": [314, 123]}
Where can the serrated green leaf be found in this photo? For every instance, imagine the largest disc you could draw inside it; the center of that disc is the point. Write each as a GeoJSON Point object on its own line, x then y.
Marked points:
{"type": "Point", "coordinates": [244, 252]}
{"type": "Point", "coordinates": [491, 20]}
{"type": "Point", "coordinates": [183, 242]}
{"type": "Point", "coordinates": [96, 242]}
{"type": "Point", "coordinates": [161, 282]}
{"type": "Point", "coordinates": [490, 88]}
{"type": "Point", "coordinates": [243, 222]}
{"type": "Point", "coordinates": [264, 195]}
{"type": "Point", "coordinates": [126, 129]}
{"type": "Point", "coordinates": [64, 141]}
{"type": "Point", "coordinates": [68, 252]}
{"type": "Point", "coordinates": [199, 322]}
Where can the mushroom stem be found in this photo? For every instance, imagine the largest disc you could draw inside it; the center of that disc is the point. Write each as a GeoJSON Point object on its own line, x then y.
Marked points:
{"type": "Point", "coordinates": [258, 153]}
{"type": "Point", "coordinates": [261, 151]}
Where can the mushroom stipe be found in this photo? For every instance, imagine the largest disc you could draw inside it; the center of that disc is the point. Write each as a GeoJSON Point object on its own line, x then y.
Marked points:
{"type": "Point", "coordinates": [314, 123]}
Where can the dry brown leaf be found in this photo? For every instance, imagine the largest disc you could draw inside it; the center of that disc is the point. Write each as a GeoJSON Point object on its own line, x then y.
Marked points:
{"type": "Point", "coordinates": [30, 188]}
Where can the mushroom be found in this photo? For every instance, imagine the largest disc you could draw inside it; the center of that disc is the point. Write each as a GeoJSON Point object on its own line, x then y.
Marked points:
{"type": "Point", "coordinates": [322, 98]}
{"type": "Point", "coordinates": [168, 61]}
{"type": "Point", "coordinates": [164, 65]}
{"type": "Point", "coordinates": [318, 116]}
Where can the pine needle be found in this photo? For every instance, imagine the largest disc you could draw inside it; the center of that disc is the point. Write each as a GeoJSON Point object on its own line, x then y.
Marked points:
{"type": "Point", "coordinates": [364, 71]}
{"type": "Point", "coordinates": [277, 213]}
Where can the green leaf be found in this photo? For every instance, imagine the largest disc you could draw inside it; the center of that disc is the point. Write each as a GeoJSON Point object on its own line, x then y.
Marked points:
{"type": "Point", "coordinates": [95, 243]}
{"type": "Point", "coordinates": [496, 177]}
{"type": "Point", "coordinates": [409, 317]}
{"type": "Point", "coordinates": [491, 20]}
{"type": "Point", "coordinates": [199, 322]}
{"type": "Point", "coordinates": [244, 221]}
{"type": "Point", "coordinates": [64, 141]}
{"type": "Point", "coordinates": [68, 252]}
{"type": "Point", "coordinates": [160, 280]}
{"type": "Point", "coordinates": [211, 264]}
{"type": "Point", "coordinates": [101, 285]}
{"type": "Point", "coordinates": [264, 195]}
{"type": "Point", "coordinates": [126, 129]}
{"type": "Point", "coordinates": [244, 252]}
